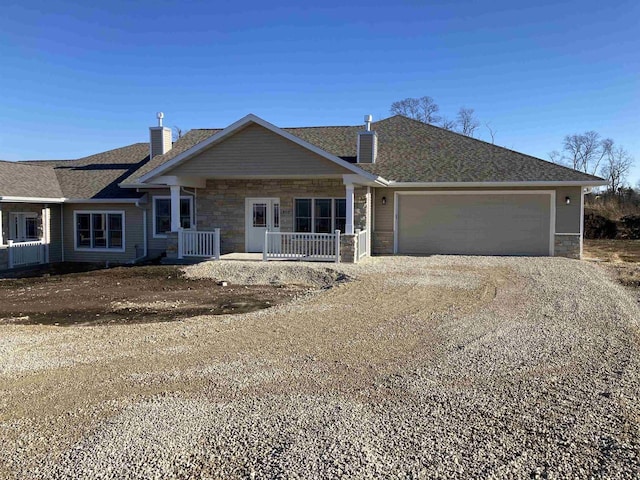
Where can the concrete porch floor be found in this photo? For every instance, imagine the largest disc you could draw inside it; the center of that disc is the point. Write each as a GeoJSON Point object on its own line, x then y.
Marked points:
{"type": "Point", "coordinates": [254, 257]}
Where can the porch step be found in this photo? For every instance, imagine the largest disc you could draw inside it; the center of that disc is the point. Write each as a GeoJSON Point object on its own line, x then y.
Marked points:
{"type": "Point", "coordinates": [183, 261]}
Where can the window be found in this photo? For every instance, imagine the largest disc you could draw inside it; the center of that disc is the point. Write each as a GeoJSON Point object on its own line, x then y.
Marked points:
{"type": "Point", "coordinates": [99, 230]}
{"type": "Point", "coordinates": [276, 215]}
{"type": "Point", "coordinates": [320, 215]}
{"type": "Point", "coordinates": [259, 214]}
{"type": "Point", "coordinates": [162, 214]}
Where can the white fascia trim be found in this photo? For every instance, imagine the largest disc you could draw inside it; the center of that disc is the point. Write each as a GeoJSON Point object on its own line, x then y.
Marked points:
{"type": "Point", "coordinates": [102, 200]}
{"type": "Point", "coordinates": [496, 184]}
{"type": "Point", "coordinates": [31, 200]}
{"type": "Point", "coordinates": [141, 185]}
{"type": "Point", "coordinates": [251, 118]}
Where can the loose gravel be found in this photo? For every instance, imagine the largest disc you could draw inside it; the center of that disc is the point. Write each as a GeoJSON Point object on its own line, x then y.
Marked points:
{"type": "Point", "coordinates": [439, 367]}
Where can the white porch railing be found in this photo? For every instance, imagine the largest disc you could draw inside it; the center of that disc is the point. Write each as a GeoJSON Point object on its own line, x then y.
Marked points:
{"type": "Point", "coordinates": [192, 243]}
{"type": "Point", "coordinates": [314, 247]}
{"type": "Point", "coordinates": [363, 244]}
{"type": "Point", "coordinates": [26, 253]}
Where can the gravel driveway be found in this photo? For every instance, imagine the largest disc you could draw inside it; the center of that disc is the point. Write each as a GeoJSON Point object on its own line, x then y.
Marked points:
{"type": "Point", "coordinates": [434, 367]}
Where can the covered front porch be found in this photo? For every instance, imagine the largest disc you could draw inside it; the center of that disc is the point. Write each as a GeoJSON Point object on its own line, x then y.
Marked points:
{"type": "Point", "coordinates": [25, 234]}
{"type": "Point", "coordinates": [277, 219]}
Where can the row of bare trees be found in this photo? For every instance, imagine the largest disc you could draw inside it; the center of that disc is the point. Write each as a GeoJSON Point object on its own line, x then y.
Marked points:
{"type": "Point", "coordinates": [426, 110]}
{"type": "Point", "coordinates": [590, 153]}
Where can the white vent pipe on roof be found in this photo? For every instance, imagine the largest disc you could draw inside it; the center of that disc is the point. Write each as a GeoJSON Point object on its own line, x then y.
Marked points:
{"type": "Point", "coordinates": [367, 121]}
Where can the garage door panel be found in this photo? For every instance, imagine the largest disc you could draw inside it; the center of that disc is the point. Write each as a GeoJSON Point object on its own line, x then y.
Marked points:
{"type": "Point", "coordinates": [474, 224]}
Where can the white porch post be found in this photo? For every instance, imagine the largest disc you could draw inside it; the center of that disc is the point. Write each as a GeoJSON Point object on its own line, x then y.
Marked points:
{"type": "Point", "coordinates": [350, 208]}
{"type": "Point", "coordinates": [1, 227]}
{"type": "Point", "coordinates": [175, 207]}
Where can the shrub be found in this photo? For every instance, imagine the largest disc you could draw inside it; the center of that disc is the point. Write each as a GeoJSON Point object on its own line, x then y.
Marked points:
{"type": "Point", "coordinates": [630, 227]}
{"type": "Point", "coordinates": [597, 226]}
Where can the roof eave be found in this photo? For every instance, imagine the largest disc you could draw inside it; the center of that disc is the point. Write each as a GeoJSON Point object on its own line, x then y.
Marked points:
{"type": "Point", "coordinates": [536, 183]}
{"type": "Point", "coordinates": [16, 199]}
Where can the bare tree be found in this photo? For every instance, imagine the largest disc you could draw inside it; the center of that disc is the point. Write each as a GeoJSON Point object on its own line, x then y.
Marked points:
{"type": "Point", "coordinates": [467, 123]}
{"type": "Point", "coordinates": [556, 157]}
{"type": "Point", "coordinates": [492, 132]}
{"type": "Point", "coordinates": [176, 133]}
{"type": "Point", "coordinates": [617, 163]}
{"type": "Point", "coordinates": [585, 151]}
{"type": "Point", "coordinates": [424, 109]}
{"type": "Point", "coordinates": [448, 124]}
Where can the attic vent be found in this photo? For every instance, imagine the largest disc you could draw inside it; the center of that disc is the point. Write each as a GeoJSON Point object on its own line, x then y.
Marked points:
{"type": "Point", "coordinates": [367, 143]}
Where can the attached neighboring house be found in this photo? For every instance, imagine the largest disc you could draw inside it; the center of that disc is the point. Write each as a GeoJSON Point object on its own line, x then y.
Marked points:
{"type": "Point", "coordinates": [397, 186]}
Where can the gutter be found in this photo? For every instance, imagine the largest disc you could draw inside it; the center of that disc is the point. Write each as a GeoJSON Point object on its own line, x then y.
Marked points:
{"type": "Point", "coordinates": [7, 199]}
{"type": "Point", "coordinates": [584, 183]}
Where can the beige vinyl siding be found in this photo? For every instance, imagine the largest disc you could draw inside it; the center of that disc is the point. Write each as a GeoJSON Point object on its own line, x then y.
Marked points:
{"type": "Point", "coordinates": [155, 246]}
{"type": "Point", "coordinates": [567, 216]}
{"type": "Point", "coordinates": [55, 234]}
{"type": "Point", "coordinates": [256, 151]}
{"type": "Point", "coordinates": [160, 138]}
{"type": "Point", "coordinates": [366, 143]}
{"type": "Point", "coordinates": [133, 234]}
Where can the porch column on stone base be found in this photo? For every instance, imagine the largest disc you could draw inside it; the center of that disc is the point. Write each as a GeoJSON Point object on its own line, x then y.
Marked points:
{"type": "Point", "coordinates": [175, 207]}
{"type": "Point", "coordinates": [350, 209]}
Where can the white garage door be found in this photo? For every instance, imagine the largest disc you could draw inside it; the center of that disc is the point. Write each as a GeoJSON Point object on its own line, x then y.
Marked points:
{"type": "Point", "coordinates": [474, 223]}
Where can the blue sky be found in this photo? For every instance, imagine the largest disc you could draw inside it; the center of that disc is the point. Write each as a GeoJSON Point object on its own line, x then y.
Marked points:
{"type": "Point", "coordinates": [78, 77]}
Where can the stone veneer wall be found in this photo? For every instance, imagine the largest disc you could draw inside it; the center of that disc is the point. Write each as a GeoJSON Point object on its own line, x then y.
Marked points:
{"type": "Point", "coordinates": [568, 246]}
{"type": "Point", "coordinates": [382, 243]}
{"type": "Point", "coordinates": [221, 204]}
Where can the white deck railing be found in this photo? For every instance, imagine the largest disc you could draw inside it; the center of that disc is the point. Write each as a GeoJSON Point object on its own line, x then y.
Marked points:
{"type": "Point", "coordinates": [313, 247]}
{"type": "Point", "coordinates": [192, 243]}
{"type": "Point", "coordinates": [363, 244]}
{"type": "Point", "coordinates": [26, 253]}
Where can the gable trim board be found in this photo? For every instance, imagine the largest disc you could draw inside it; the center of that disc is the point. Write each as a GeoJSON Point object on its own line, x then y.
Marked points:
{"type": "Point", "coordinates": [237, 126]}
{"type": "Point", "coordinates": [552, 208]}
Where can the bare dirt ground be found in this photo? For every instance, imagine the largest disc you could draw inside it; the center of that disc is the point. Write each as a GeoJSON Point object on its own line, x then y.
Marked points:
{"type": "Point", "coordinates": [129, 295]}
{"type": "Point", "coordinates": [620, 257]}
{"type": "Point", "coordinates": [439, 367]}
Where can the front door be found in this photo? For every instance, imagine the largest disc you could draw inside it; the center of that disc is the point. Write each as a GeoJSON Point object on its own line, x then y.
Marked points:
{"type": "Point", "coordinates": [261, 214]}
{"type": "Point", "coordinates": [23, 227]}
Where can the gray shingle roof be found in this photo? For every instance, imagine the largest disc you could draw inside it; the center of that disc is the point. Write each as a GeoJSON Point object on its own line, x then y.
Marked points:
{"type": "Point", "coordinates": [97, 176]}
{"type": "Point", "coordinates": [190, 139]}
{"type": "Point", "coordinates": [408, 151]}
{"type": "Point", "coordinates": [20, 180]}
{"type": "Point", "coordinates": [412, 151]}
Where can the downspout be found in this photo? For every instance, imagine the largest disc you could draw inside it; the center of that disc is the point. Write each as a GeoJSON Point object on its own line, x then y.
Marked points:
{"type": "Point", "coordinates": [144, 234]}
{"type": "Point", "coordinates": [62, 229]}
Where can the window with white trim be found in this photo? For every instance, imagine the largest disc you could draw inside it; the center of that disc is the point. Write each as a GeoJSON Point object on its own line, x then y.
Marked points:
{"type": "Point", "coordinates": [99, 230]}
{"type": "Point", "coordinates": [320, 215]}
{"type": "Point", "coordinates": [162, 214]}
